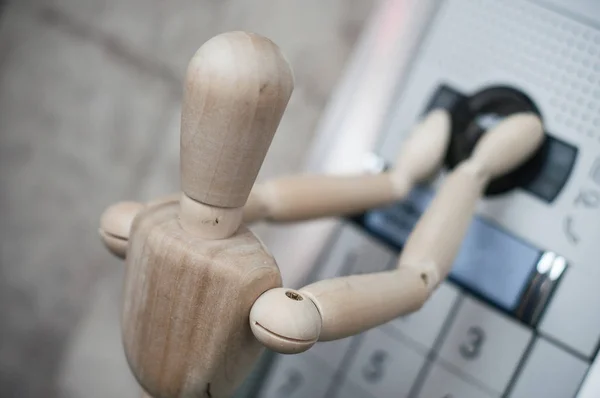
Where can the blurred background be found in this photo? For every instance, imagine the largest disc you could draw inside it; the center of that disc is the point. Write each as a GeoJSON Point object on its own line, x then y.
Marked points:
{"type": "Point", "coordinates": [89, 115]}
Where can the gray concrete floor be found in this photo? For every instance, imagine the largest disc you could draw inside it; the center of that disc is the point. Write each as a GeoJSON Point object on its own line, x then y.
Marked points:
{"type": "Point", "coordinates": [89, 115]}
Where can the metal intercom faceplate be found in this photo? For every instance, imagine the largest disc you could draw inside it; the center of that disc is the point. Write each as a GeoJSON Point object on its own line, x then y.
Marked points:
{"type": "Point", "coordinates": [518, 317]}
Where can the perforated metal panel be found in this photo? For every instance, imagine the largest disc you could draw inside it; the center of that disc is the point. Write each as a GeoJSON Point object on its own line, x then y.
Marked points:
{"type": "Point", "coordinates": [554, 59]}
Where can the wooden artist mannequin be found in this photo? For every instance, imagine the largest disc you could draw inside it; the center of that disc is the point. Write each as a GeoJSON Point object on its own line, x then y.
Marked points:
{"type": "Point", "coordinates": [202, 294]}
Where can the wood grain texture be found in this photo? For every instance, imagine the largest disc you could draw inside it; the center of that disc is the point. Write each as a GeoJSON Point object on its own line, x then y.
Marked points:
{"type": "Point", "coordinates": [422, 153]}
{"type": "Point", "coordinates": [297, 314]}
{"type": "Point", "coordinates": [305, 197]}
{"type": "Point", "coordinates": [115, 225]}
{"type": "Point", "coordinates": [206, 221]}
{"type": "Point", "coordinates": [186, 306]}
{"type": "Point", "coordinates": [355, 303]}
{"type": "Point", "coordinates": [237, 87]}
{"type": "Point", "coordinates": [299, 198]}
{"type": "Point", "coordinates": [434, 242]}
{"type": "Point", "coordinates": [343, 307]}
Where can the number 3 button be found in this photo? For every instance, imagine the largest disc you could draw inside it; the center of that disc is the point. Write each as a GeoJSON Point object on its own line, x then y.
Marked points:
{"type": "Point", "coordinates": [484, 344]}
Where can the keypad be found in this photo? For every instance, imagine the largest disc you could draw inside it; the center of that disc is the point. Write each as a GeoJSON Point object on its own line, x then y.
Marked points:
{"type": "Point", "coordinates": [455, 346]}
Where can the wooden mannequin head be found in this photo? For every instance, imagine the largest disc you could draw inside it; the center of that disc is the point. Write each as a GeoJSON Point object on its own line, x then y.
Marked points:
{"type": "Point", "coordinates": [236, 90]}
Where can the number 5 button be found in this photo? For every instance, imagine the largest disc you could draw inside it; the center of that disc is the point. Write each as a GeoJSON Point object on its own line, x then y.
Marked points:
{"type": "Point", "coordinates": [296, 377]}
{"type": "Point", "coordinates": [383, 367]}
{"type": "Point", "coordinates": [484, 344]}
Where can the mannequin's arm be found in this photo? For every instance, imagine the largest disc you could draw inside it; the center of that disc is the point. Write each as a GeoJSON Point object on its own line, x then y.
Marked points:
{"type": "Point", "coordinates": [298, 198]}
{"type": "Point", "coordinates": [291, 321]}
{"type": "Point", "coordinates": [306, 197]}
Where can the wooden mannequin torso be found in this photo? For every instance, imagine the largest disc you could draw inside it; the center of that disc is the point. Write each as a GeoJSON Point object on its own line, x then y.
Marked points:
{"type": "Point", "coordinates": [186, 304]}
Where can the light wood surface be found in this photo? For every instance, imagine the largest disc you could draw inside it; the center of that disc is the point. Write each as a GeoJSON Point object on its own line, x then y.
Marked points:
{"type": "Point", "coordinates": [356, 303]}
{"type": "Point", "coordinates": [237, 87]}
{"type": "Point", "coordinates": [299, 198]}
{"type": "Point", "coordinates": [422, 154]}
{"type": "Point", "coordinates": [186, 304]}
{"type": "Point", "coordinates": [206, 221]}
{"type": "Point", "coordinates": [115, 226]}
{"type": "Point", "coordinates": [352, 304]}
{"type": "Point", "coordinates": [296, 313]}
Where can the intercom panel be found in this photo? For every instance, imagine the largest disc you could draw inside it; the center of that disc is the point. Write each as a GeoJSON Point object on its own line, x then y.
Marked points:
{"type": "Point", "coordinates": [518, 315]}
